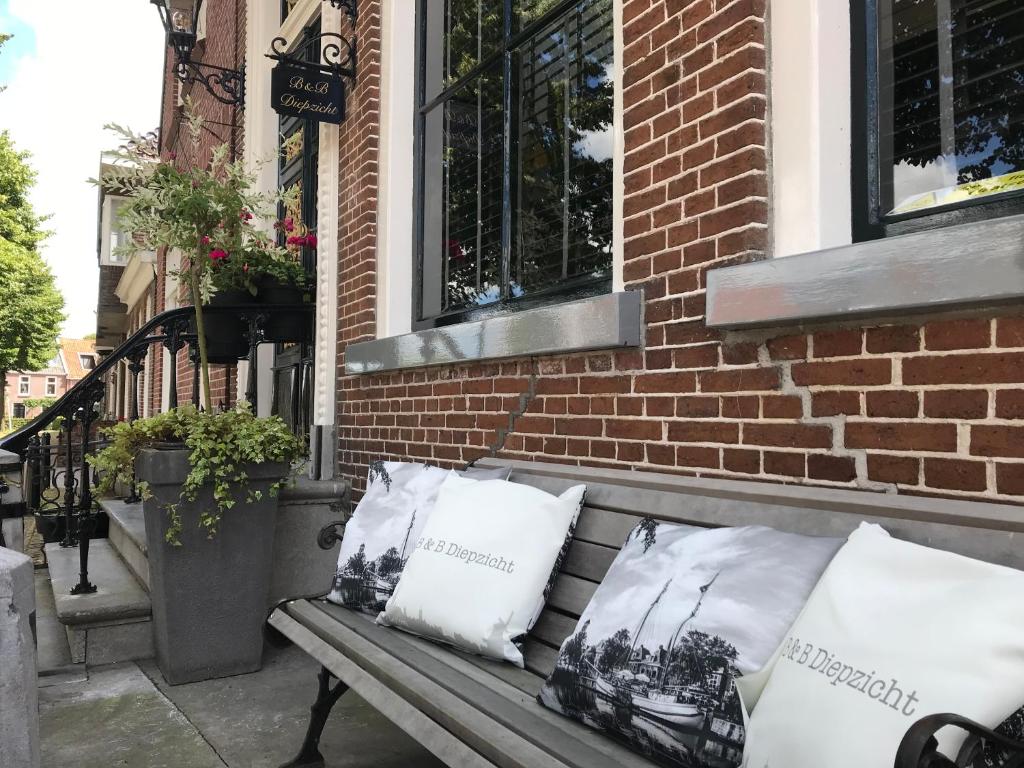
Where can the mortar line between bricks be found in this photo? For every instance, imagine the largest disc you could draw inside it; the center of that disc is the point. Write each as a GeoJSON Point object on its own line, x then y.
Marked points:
{"type": "Point", "coordinates": [184, 716]}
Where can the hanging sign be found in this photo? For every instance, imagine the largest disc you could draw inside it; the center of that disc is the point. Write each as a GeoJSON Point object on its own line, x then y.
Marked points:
{"type": "Point", "coordinates": [307, 93]}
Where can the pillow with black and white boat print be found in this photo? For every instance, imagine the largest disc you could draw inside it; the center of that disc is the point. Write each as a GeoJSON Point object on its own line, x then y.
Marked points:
{"type": "Point", "coordinates": [382, 532]}
{"type": "Point", "coordinates": [995, 755]}
{"type": "Point", "coordinates": [681, 613]}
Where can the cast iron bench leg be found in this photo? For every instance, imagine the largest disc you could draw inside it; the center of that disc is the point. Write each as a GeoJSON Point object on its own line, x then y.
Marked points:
{"type": "Point", "coordinates": [309, 755]}
{"type": "Point", "coordinates": [919, 749]}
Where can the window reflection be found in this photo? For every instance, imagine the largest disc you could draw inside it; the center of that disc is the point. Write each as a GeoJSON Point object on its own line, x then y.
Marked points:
{"type": "Point", "coordinates": [951, 101]}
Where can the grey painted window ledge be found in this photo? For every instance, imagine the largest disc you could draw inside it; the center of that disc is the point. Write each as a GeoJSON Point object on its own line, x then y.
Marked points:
{"type": "Point", "coordinates": [601, 322]}
{"type": "Point", "coordinates": [968, 264]}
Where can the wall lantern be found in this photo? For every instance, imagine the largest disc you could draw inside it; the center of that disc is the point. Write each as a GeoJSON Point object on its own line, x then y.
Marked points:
{"type": "Point", "coordinates": [181, 23]}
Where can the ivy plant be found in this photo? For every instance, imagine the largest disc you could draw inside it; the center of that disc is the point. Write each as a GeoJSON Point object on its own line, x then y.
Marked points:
{"type": "Point", "coordinates": [220, 446]}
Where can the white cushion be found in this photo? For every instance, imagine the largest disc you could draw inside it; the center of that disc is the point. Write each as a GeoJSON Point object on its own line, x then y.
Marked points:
{"type": "Point", "coordinates": [382, 532]}
{"type": "Point", "coordinates": [893, 632]}
{"type": "Point", "coordinates": [482, 564]}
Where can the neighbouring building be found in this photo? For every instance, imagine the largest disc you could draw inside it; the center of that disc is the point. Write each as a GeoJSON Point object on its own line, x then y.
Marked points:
{"type": "Point", "coordinates": [29, 391]}
{"type": "Point", "coordinates": [756, 239]}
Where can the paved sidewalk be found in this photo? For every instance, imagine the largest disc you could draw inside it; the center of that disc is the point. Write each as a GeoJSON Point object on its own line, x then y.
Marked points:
{"type": "Point", "coordinates": [125, 716]}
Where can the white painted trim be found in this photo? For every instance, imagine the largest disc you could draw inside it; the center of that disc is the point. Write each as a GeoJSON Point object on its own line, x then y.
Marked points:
{"type": "Point", "coordinates": [395, 193]}
{"type": "Point", "coordinates": [810, 125]}
{"type": "Point", "coordinates": [138, 275]}
{"type": "Point", "coordinates": [261, 146]}
{"type": "Point", "coordinates": [618, 159]}
{"type": "Point", "coordinates": [325, 342]}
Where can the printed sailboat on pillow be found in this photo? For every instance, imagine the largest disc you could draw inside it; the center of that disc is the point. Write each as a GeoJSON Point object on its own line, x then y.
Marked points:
{"type": "Point", "coordinates": [643, 680]}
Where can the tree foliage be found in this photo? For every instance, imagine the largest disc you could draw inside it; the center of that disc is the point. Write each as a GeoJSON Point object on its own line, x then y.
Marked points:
{"type": "Point", "coordinates": [19, 223]}
{"type": "Point", "coordinates": [31, 311]}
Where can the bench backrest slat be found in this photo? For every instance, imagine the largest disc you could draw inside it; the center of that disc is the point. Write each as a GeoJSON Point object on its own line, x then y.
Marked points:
{"type": "Point", "coordinates": [617, 499]}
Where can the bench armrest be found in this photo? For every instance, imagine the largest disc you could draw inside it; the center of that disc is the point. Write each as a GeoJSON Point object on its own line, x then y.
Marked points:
{"type": "Point", "coordinates": [330, 534]}
{"type": "Point", "coordinates": [919, 749]}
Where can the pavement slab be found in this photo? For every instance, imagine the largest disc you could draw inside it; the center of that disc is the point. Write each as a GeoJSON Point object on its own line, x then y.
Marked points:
{"type": "Point", "coordinates": [259, 720]}
{"type": "Point", "coordinates": [117, 718]}
{"type": "Point", "coordinates": [126, 716]}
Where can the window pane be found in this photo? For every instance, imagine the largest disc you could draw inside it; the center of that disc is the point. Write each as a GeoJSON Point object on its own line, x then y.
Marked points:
{"type": "Point", "coordinates": [566, 144]}
{"type": "Point", "coordinates": [462, 191]}
{"type": "Point", "coordinates": [950, 101]}
{"type": "Point", "coordinates": [468, 31]}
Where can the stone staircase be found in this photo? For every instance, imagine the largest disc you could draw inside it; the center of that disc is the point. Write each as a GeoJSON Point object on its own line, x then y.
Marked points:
{"type": "Point", "coordinates": [115, 622]}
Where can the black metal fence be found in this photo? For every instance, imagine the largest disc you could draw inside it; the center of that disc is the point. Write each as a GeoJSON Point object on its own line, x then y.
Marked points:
{"type": "Point", "coordinates": [55, 446]}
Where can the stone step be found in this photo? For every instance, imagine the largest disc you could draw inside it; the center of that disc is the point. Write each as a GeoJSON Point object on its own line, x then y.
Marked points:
{"type": "Point", "coordinates": [53, 655]}
{"type": "Point", "coordinates": [128, 535]}
{"type": "Point", "coordinates": [112, 624]}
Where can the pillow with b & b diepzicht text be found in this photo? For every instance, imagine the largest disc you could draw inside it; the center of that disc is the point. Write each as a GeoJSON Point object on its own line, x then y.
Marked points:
{"type": "Point", "coordinates": [893, 632]}
{"type": "Point", "coordinates": [478, 576]}
{"type": "Point", "coordinates": [384, 528]}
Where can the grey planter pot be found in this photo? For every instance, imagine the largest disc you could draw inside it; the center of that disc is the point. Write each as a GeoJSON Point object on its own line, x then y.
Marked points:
{"type": "Point", "coordinates": [209, 595]}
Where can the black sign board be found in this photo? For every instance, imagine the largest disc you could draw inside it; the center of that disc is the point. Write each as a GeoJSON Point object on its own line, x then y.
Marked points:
{"type": "Point", "coordinates": [307, 93]}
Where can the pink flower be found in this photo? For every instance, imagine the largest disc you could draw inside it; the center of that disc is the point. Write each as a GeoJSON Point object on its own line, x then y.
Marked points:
{"type": "Point", "coordinates": [311, 241]}
{"type": "Point", "coordinates": [218, 255]}
{"type": "Point", "coordinates": [245, 267]}
{"type": "Point", "coordinates": [289, 224]}
{"type": "Point", "coordinates": [295, 240]}
{"type": "Point", "coordinates": [245, 216]}
{"type": "Point", "coordinates": [205, 240]}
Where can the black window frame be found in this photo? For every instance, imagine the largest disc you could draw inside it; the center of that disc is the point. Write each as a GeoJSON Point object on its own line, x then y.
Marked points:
{"type": "Point", "coordinates": [292, 371]}
{"type": "Point", "coordinates": [512, 40]}
{"type": "Point", "coordinates": [868, 221]}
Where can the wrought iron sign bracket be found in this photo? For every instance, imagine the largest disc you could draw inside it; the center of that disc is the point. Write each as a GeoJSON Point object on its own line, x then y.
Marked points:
{"type": "Point", "coordinates": [225, 85]}
{"type": "Point", "coordinates": [336, 58]}
{"type": "Point", "coordinates": [348, 6]}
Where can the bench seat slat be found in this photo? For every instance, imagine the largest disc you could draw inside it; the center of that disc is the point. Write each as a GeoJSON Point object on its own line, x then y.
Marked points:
{"type": "Point", "coordinates": [524, 719]}
{"type": "Point", "coordinates": [496, 674]}
{"type": "Point", "coordinates": [445, 704]}
{"type": "Point", "coordinates": [442, 744]}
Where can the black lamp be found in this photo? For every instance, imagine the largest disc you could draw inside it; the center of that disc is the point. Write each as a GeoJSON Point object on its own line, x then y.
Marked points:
{"type": "Point", "coordinates": [181, 23]}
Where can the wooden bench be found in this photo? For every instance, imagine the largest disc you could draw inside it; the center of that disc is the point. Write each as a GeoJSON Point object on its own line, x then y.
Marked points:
{"type": "Point", "coordinates": [469, 711]}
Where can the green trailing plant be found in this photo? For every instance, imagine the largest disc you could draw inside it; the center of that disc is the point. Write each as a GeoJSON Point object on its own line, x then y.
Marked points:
{"type": "Point", "coordinates": [219, 445]}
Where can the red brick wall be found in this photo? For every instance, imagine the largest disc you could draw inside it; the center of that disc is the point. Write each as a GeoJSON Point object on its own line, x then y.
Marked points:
{"type": "Point", "coordinates": [916, 405]}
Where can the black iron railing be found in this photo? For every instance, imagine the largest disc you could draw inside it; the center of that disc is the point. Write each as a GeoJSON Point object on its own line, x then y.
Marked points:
{"type": "Point", "coordinates": [55, 446]}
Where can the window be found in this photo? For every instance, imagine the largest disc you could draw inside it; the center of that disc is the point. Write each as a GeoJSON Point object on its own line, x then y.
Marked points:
{"type": "Point", "coordinates": [51, 385]}
{"type": "Point", "coordinates": [24, 385]}
{"type": "Point", "coordinates": [88, 362]}
{"type": "Point", "coordinates": [942, 135]}
{"type": "Point", "coordinates": [19, 410]}
{"type": "Point", "coordinates": [515, 154]}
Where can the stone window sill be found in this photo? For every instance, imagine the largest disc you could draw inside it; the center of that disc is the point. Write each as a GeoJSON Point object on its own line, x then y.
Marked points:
{"type": "Point", "coordinates": [968, 264]}
{"type": "Point", "coordinates": [601, 322]}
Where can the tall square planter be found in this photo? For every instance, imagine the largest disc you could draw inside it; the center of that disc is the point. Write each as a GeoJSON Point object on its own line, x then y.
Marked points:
{"type": "Point", "coordinates": [209, 595]}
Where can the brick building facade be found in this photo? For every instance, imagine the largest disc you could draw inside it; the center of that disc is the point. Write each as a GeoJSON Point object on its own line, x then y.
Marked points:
{"type": "Point", "coordinates": [904, 401]}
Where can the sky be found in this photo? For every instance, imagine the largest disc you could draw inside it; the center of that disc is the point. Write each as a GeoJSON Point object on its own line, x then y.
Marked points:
{"type": "Point", "coordinates": [71, 68]}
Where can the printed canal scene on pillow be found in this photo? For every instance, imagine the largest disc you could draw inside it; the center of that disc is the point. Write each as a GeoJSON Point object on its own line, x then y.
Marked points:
{"type": "Point", "coordinates": [680, 615]}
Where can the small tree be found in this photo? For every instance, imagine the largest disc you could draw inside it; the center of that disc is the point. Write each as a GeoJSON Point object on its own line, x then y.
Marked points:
{"type": "Point", "coordinates": [205, 213]}
{"type": "Point", "coordinates": [31, 313]}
